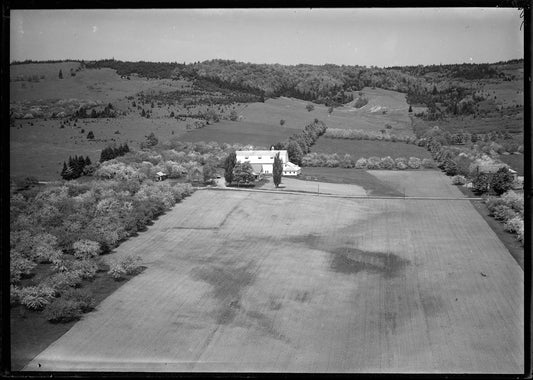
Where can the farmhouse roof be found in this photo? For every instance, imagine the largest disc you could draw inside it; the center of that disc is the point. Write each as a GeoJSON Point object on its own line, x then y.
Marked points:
{"type": "Point", "coordinates": [160, 174]}
{"type": "Point", "coordinates": [259, 152]}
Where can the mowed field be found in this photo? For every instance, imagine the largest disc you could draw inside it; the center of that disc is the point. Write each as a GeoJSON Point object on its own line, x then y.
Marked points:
{"type": "Point", "coordinates": [244, 281]}
{"type": "Point", "coordinates": [369, 148]}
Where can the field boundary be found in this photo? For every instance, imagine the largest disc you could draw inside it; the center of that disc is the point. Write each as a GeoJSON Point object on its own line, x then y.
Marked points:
{"type": "Point", "coordinates": [338, 196]}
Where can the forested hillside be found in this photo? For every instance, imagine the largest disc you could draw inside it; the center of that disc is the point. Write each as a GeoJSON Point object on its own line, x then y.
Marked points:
{"type": "Point", "coordinates": [450, 89]}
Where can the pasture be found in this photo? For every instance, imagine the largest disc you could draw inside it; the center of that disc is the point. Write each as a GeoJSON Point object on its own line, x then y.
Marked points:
{"type": "Point", "coordinates": [39, 150]}
{"type": "Point", "coordinates": [242, 281]}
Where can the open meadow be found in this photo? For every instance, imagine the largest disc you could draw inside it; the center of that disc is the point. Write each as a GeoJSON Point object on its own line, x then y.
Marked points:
{"type": "Point", "coordinates": [244, 281]}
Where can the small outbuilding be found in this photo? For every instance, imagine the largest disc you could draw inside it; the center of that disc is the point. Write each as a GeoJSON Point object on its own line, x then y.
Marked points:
{"type": "Point", "coordinates": [161, 176]}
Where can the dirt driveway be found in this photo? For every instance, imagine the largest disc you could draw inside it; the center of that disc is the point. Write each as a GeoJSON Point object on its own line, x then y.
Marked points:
{"type": "Point", "coordinates": [239, 281]}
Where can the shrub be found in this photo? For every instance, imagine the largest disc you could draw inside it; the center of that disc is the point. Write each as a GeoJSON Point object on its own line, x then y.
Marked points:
{"type": "Point", "coordinates": [126, 265]}
{"type": "Point", "coordinates": [458, 180]}
{"type": "Point", "coordinates": [514, 225]}
{"type": "Point", "coordinates": [361, 163]}
{"type": "Point", "coordinates": [501, 181]}
{"type": "Point", "coordinates": [62, 310]}
{"type": "Point", "coordinates": [86, 268]}
{"type": "Point", "coordinates": [401, 165]}
{"type": "Point", "coordinates": [414, 162]}
{"type": "Point", "coordinates": [309, 107]}
{"type": "Point", "coordinates": [347, 162]}
{"type": "Point", "coordinates": [503, 213]}
{"type": "Point", "coordinates": [86, 249]}
{"type": "Point", "coordinates": [480, 183]}
{"type": "Point", "coordinates": [64, 280]}
{"type": "Point", "coordinates": [387, 163]}
{"type": "Point", "coordinates": [373, 163]}
{"type": "Point", "coordinates": [514, 200]}
{"type": "Point", "coordinates": [428, 163]}
{"type": "Point", "coordinates": [116, 270]}
{"type": "Point", "coordinates": [36, 297]}
{"type": "Point", "coordinates": [19, 266]}
{"type": "Point", "coordinates": [450, 167]}
{"type": "Point", "coordinates": [82, 297]}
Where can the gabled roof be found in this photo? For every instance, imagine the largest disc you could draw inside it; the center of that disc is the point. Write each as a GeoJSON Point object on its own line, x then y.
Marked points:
{"type": "Point", "coordinates": [161, 174]}
{"type": "Point", "coordinates": [259, 152]}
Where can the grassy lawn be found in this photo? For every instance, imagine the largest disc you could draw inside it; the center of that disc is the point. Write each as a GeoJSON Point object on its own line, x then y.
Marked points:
{"type": "Point", "coordinates": [349, 176]}
{"type": "Point", "coordinates": [367, 148]}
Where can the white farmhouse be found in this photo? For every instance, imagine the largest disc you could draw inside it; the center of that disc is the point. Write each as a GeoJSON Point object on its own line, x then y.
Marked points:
{"type": "Point", "coordinates": [262, 161]}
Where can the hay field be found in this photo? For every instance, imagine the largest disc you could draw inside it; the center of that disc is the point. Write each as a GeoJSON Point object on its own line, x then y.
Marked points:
{"type": "Point", "coordinates": [240, 281]}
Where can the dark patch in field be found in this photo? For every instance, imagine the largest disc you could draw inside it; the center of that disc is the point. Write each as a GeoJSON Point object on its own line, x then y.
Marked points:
{"type": "Point", "coordinates": [302, 296]}
{"type": "Point", "coordinates": [352, 260]}
{"type": "Point", "coordinates": [228, 284]}
{"type": "Point", "coordinates": [265, 324]}
{"type": "Point", "coordinates": [310, 240]}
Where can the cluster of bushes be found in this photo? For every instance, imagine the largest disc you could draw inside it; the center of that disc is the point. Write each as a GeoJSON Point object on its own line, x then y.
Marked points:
{"type": "Point", "coordinates": [83, 113]}
{"type": "Point", "coordinates": [360, 134]}
{"type": "Point", "coordinates": [348, 161]}
{"type": "Point", "coordinates": [493, 143]}
{"type": "Point", "coordinates": [485, 173]}
{"type": "Point", "coordinates": [66, 226]}
{"type": "Point", "coordinates": [110, 152]}
{"type": "Point", "coordinates": [76, 167]}
{"type": "Point", "coordinates": [299, 144]}
{"type": "Point", "coordinates": [508, 209]}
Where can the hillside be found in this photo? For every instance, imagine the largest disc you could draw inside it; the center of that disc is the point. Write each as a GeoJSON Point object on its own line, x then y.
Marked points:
{"type": "Point", "coordinates": [245, 103]}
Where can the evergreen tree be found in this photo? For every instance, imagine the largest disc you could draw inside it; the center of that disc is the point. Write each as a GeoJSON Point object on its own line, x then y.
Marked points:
{"type": "Point", "coordinates": [60, 74]}
{"type": "Point", "coordinates": [229, 165]}
{"type": "Point", "coordinates": [277, 169]}
{"type": "Point", "coordinates": [64, 171]}
{"type": "Point", "coordinates": [90, 135]}
{"type": "Point", "coordinates": [87, 161]}
{"type": "Point", "coordinates": [410, 108]}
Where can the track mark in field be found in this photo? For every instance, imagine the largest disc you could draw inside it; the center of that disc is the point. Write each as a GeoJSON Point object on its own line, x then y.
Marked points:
{"type": "Point", "coordinates": [232, 211]}
{"type": "Point", "coordinates": [349, 260]}
{"type": "Point", "coordinates": [228, 284]}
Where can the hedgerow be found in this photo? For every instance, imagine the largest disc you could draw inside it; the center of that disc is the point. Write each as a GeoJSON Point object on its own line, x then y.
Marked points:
{"type": "Point", "coordinates": [314, 159]}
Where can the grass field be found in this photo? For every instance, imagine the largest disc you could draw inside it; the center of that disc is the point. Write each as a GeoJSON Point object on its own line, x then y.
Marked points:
{"type": "Point", "coordinates": [240, 281]}
{"type": "Point", "coordinates": [367, 148]}
{"type": "Point", "coordinates": [243, 132]}
{"type": "Point", "coordinates": [40, 149]}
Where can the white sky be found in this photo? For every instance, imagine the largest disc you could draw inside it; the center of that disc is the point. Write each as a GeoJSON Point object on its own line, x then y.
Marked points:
{"type": "Point", "coordinates": [381, 37]}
